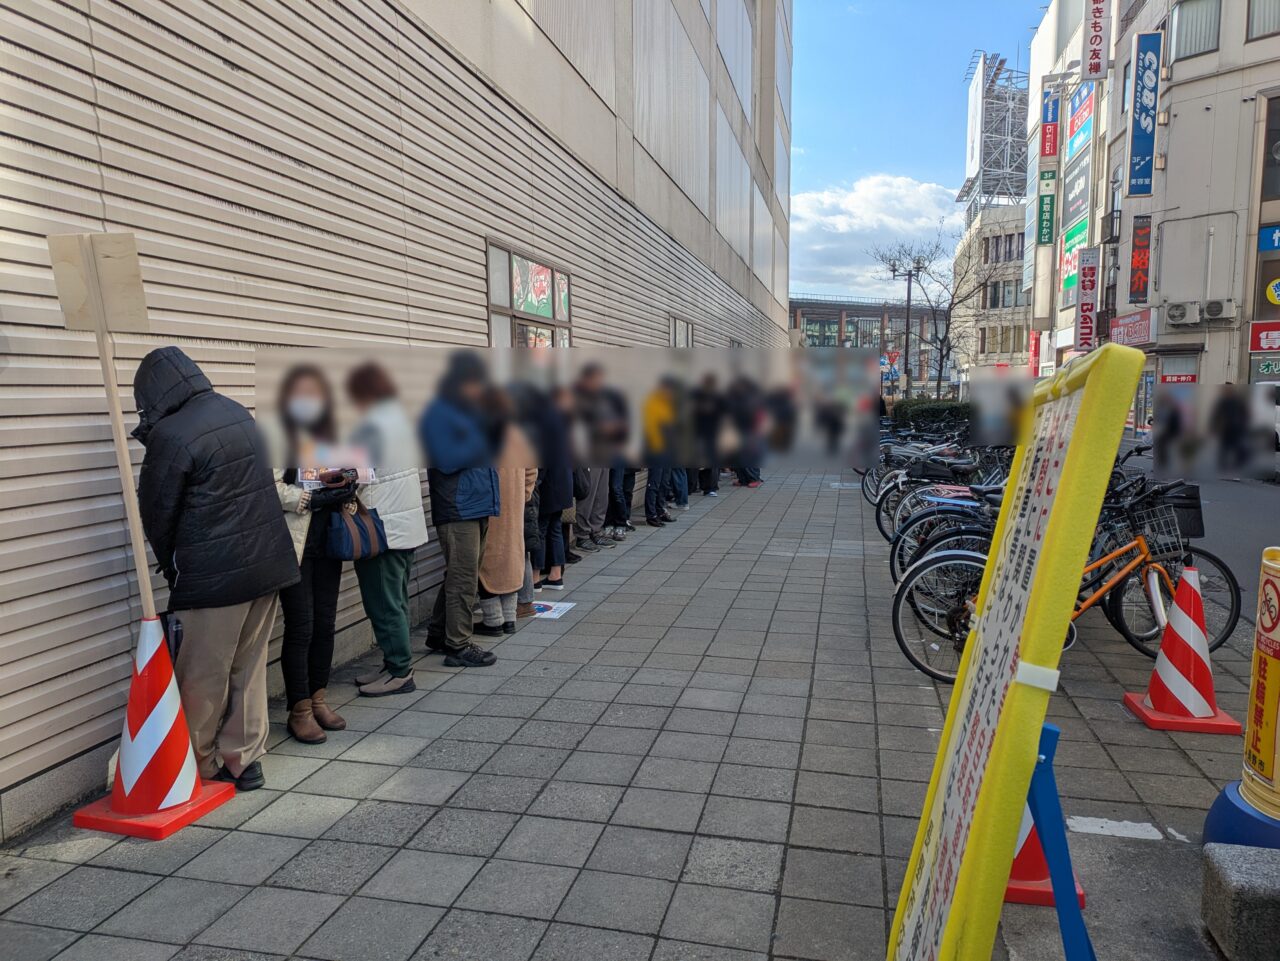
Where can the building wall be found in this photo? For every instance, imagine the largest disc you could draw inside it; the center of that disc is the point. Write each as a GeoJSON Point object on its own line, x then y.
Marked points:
{"type": "Point", "coordinates": [330, 176]}
{"type": "Point", "coordinates": [982, 259]}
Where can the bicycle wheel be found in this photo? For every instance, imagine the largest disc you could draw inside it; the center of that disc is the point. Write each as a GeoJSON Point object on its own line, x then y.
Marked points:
{"type": "Point", "coordinates": [904, 548]}
{"type": "Point", "coordinates": [914, 501]}
{"type": "Point", "coordinates": [974, 539]}
{"type": "Point", "coordinates": [931, 611]}
{"type": "Point", "coordinates": [1129, 607]}
{"type": "Point", "coordinates": [871, 483]}
{"type": "Point", "coordinates": [891, 495]}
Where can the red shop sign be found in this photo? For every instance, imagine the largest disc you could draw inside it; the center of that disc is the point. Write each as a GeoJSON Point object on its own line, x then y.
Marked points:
{"type": "Point", "coordinates": [1264, 336]}
{"type": "Point", "coordinates": [1134, 330]}
{"type": "Point", "coordinates": [1177, 378]}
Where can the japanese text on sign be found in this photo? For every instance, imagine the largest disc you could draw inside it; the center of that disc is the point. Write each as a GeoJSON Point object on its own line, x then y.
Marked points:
{"type": "Point", "coordinates": [1046, 207]}
{"type": "Point", "coordinates": [1087, 309]}
{"type": "Point", "coordinates": [992, 667]}
{"type": "Point", "coordinates": [1264, 336]}
{"type": "Point", "coordinates": [1095, 52]}
{"type": "Point", "coordinates": [1140, 260]}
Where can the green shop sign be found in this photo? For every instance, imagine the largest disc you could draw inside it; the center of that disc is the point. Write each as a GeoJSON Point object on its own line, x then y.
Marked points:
{"type": "Point", "coordinates": [1047, 206]}
{"type": "Point", "coordinates": [1073, 238]}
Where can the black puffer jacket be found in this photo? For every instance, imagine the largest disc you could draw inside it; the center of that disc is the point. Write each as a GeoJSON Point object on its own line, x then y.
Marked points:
{"type": "Point", "coordinates": [208, 499]}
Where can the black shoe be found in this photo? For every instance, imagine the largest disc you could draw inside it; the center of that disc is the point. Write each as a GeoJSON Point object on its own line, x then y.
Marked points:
{"type": "Point", "coordinates": [469, 656]}
{"type": "Point", "coordinates": [588, 546]}
{"type": "Point", "coordinates": [556, 585]}
{"type": "Point", "coordinates": [571, 558]}
{"type": "Point", "coordinates": [654, 522]}
{"type": "Point", "coordinates": [250, 779]}
{"type": "Point", "coordinates": [601, 541]}
{"type": "Point", "coordinates": [629, 526]}
{"type": "Point", "coordinates": [666, 518]}
{"type": "Point", "coordinates": [435, 645]}
{"type": "Point", "coordinates": [486, 631]}
{"type": "Point", "coordinates": [509, 627]}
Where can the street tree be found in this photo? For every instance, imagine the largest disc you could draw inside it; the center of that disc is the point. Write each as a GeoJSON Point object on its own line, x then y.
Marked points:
{"type": "Point", "coordinates": [951, 280]}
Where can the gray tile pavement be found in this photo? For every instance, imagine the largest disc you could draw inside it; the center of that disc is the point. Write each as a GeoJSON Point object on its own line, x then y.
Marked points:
{"type": "Point", "coordinates": [718, 754]}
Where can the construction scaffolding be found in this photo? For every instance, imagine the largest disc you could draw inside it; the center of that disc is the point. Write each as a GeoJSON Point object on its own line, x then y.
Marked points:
{"type": "Point", "coordinates": [996, 159]}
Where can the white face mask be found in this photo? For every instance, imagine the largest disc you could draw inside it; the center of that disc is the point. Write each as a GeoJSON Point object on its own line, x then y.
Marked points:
{"type": "Point", "coordinates": [305, 410]}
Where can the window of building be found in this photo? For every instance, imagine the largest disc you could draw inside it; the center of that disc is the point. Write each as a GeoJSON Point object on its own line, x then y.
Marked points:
{"type": "Point", "coordinates": [986, 250]}
{"type": "Point", "coordinates": [982, 340]}
{"type": "Point", "coordinates": [1271, 153]}
{"type": "Point", "coordinates": [1195, 27]}
{"type": "Point", "coordinates": [533, 298]}
{"type": "Point", "coordinates": [1006, 340]}
{"type": "Point", "coordinates": [1127, 88]}
{"type": "Point", "coordinates": [681, 333]}
{"type": "Point", "coordinates": [1264, 18]}
{"type": "Point", "coordinates": [993, 295]}
{"type": "Point", "coordinates": [1007, 296]}
{"type": "Point", "coordinates": [1010, 246]}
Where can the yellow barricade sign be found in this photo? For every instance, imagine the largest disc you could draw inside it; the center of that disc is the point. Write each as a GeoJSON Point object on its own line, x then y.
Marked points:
{"type": "Point", "coordinates": [954, 888]}
{"type": "Point", "coordinates": [1259, 785]}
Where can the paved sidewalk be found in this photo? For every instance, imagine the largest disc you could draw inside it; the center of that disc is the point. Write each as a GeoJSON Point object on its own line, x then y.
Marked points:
{"type": "Point", "coordinates": [718, 755]}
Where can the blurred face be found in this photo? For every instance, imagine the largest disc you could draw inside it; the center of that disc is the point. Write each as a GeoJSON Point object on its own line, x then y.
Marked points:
{"type": "Point", "coordinates": [593, 380]}
{"type": "Point", "coordinates": [472, 391]}
{"type": "Point", "coordinates": [307, 401]}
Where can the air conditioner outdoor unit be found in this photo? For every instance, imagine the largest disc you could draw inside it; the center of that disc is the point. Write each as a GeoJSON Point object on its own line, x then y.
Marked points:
{"type": "Point", "coordinates": [1182, 315]}
{"type": "Point", "coordinates": [1219, 309]}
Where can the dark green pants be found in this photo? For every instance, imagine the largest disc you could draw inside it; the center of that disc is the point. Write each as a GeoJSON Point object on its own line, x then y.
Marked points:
{"type": "Point", "coordinates": [384, 588]}
{"type": "Point", "coordinates": [462, 543]}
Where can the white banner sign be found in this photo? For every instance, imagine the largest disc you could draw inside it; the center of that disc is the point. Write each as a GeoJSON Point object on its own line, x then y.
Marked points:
{"type": "Point", "coordinates": [1095, 50]}
{"type": "Point", "coordinates": [1087, 306]}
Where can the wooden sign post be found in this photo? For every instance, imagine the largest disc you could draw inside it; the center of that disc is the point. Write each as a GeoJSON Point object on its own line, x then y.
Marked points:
{"type": "Point", "coordinates": [99, 283]}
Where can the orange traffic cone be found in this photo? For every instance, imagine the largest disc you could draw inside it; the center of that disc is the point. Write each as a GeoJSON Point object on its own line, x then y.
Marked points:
{"type": "Point", "coordinates": [157, 788]}
{"type": "Point", "coordinates": [1029, 881]}
{"type": "Point", "coordinates": [1180, 696]}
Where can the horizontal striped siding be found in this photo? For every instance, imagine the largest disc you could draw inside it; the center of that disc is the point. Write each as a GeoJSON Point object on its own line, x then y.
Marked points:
{"type": "Point", "coordinates": [297, 173]}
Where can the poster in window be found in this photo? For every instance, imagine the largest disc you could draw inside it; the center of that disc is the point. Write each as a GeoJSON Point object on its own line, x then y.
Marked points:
{"type": "Point", "coordinates": [562, 297]}
{"type": "Point", "coordinates": [530, 287]}
{"type": "Point", "coordinates": [1140, 260]}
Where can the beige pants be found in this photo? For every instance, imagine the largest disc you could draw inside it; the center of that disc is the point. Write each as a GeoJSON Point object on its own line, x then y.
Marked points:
{"type": "Point", "coordinates": [222, 677]}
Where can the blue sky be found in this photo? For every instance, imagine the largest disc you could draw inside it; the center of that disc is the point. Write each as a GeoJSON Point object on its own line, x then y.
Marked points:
{"type": "Point", "coordinates": [879, 106]}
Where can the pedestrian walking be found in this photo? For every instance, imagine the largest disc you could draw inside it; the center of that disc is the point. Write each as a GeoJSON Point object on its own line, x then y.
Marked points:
{"type": "Point", "coordinates": [458, 435]}
{"type": "Point", "coordinates": [310, 607]}
{"type": "Point", "coordinates": [210, 512]}
{"type": "Point", "coordinates": [385, 435]}
{"type": "Point", "coordinates": [503, 566]}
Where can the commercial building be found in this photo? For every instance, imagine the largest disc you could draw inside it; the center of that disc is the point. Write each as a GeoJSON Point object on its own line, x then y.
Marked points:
{"type": "Point", "coordinates": [880, 326]}
{"type": "Point", "coordinates": [1168, 165]}
{"type": "Point", "coordinates": [344, 175]}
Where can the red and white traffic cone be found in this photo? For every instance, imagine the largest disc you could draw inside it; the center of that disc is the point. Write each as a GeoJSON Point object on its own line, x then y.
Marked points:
{"type": "Point", "coordinates": [1029, 881]}
{"type": "Point", "coordinates": [1180, 696]}
{"type": "Point", "coordinates": [157, 788]}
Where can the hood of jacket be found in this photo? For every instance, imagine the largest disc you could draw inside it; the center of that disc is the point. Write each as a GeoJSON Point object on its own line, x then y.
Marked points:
{"type": "Point", "coordinates": [166, 379]}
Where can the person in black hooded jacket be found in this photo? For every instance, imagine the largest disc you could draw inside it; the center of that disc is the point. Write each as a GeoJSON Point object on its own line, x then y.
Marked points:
{"type": "Point", "coordinates": [212, 516]}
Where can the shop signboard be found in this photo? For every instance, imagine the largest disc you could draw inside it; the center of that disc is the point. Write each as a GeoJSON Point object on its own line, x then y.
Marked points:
{"type": "Point", "coordinates": [1080, 121]}
{"type": "Point", "coordinates": [1049, 127]}
{"type": "Point", "coordinates": [1140, 260]}
{"type": "Point", "coordinates": [1142, 113]}
{"type": "Point", "coordinates": [1265, 369]}
{"type": "Point", "coordinates": [1264, 336]}
{"type": "Point", "coordinates": [1076, 189]}
{"type": "Point", "coordinates": [1046, 207]}
{"type": "Point", "coordinates": [1095, 40]}
{"type": "Point", "coordinates": [1073, 238]}
{"type": "Point", "coordinates": [1088, 264]}
{"type": "Point", "coordinates": [1135, 330]}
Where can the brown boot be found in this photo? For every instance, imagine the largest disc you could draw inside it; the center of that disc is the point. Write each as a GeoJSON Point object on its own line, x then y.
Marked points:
{"type": "Point", "coordinates": [524, 609]}
{"type": "Point", "coordinates": [327, 717]}
{"type": "Point", "coordinates": [302, 724]}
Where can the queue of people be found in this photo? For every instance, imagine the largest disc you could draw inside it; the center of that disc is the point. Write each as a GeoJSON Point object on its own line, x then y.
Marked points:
{"type": "Point", "coordinates": [514, 500]}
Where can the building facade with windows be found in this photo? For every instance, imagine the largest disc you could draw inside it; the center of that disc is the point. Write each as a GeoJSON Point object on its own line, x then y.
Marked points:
{"type": "Point", "coordinates": [406, 173]}
{"type": "Point", "coordinates": [991, 321]}
{"type": "Point", "coordinates": [1177, 184]}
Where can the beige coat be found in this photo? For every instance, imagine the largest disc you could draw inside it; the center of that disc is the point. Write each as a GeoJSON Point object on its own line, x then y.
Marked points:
{"type": "Point", "coordinates": [502, 567]}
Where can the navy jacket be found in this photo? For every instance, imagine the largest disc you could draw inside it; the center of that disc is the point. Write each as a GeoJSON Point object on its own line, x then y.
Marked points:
{"type": "Point", "coordinates": [463, 483]}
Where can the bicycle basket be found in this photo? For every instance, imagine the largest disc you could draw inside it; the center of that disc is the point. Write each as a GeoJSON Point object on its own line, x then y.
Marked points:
{"type": "Point", "coordinates": [1159, 525]}
{"type": "Point", "coordinates": [1185, 502]}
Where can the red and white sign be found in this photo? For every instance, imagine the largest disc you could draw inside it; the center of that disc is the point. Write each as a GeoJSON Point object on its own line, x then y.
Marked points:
{"type": "Point", "coordinates": [1035, 353]}
{"type": "Point", "coordinates": [893, 356]}
{"type": "Point", "coordinates": [1048, 140]}
{"type": "Point", "coordinates": [1177, 378]}
{"type": "Point", "coordinates": [1087, 308]}
{"type": "Point", "coordinates": [1095, 50]}
{"type": "Point", "coordinates": [1264, 336]}
{"type": "Point", "coordinates": [1134, 330]}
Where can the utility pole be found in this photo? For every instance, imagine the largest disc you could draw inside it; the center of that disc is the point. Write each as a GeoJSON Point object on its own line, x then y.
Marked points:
{"type": "Point", "coordinates": [911, 273]}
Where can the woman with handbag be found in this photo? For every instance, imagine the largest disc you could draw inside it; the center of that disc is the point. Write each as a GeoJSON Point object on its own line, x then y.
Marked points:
{"type": "Point", "coordinates": [311, 606]}
{"type": "Point", "coordinates": [394, 498]}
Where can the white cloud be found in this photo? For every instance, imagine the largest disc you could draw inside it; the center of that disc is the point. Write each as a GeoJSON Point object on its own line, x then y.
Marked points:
{"type": "Point", "coordinates": [832, 229]}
